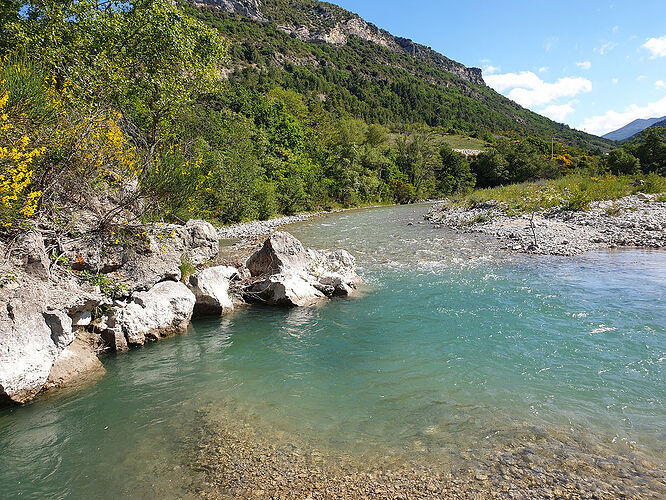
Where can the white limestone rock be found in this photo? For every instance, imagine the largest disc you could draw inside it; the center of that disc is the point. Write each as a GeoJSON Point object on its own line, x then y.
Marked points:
{"type": "Point", "coordinates": [211, 289]}
{"type": "Point", "coordinates": [163, 310]}
{"type": "Point", "coordinates": [286, 273]}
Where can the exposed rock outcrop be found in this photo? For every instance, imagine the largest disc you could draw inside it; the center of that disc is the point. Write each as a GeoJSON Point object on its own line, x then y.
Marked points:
{"type": "Point", "coordinates": [35, 328]}
{"type": "Point", "coordinates": [247, 8]}
{"type": "Point", "coordinates": [143, 257]}
{"type": "Point", "coordinates": [53, 321]}
{"type": "Point", "coordinates": [163, 310]}
{"type": "Point", "coordinates": [211, 289]}
{"type": "Point", "coordinates": [333, 25]}
{"type": "Point", "coordinates": [76, 365]}
{"type": "Point", "coordinates": [286, 273]}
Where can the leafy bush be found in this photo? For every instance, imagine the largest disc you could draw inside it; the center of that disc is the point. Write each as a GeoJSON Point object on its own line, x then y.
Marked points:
{"type": "Point", "coordinates": [107, 286]}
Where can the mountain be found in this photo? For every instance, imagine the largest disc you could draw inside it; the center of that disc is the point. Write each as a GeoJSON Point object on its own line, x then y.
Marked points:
{"type": "Point", "coordinates": [632, 129]}
{"type": "Point", "coordinates": [337, 60]}
{"type": "Point", "coordinates": [661, 123]}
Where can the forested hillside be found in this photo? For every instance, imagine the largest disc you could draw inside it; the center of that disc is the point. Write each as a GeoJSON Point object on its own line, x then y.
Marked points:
{"type": "Point", "coordinates": [355, 68]}
{"type": "Point", "coordinates": [153, 110]}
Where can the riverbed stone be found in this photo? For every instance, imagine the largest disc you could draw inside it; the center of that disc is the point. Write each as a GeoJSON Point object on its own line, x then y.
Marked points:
{"type": "Point", "coordinates": [632, 221]}
{"type": "Point", "coordinates": [76, 365]}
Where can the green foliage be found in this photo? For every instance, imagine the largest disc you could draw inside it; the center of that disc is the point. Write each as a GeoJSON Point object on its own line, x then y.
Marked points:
{"type": "Point", "coordinates": [620, 162]}
{"type": "Point", "coordinates": [371, 82]}
{"type": "Point", "coordinates": [298, 126]}
{"type": "Point", "coordinates": [578, 200]}
{"type": "Point", "coordinates": [6, 279]}
{"type": "Point", "coordinates": [187, 269]}
{"type": "Point", "coordinates": [650, 149]}
{"type": "Point", "coordinates": [573, 192]}
{"type": "Point", "coordinates": [455, 174]}
{"type": "Point", "coordinates": [8, 15]}
{"type": "Point", "coordinates": [107, 286]}
{"type": "Point", "coordinates": [146, 56]}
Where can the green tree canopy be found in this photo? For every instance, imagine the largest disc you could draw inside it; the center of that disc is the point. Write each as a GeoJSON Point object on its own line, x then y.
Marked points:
{"type": "Point", "coordinates": [621, 162]}
{"type": "Point", "coordinates": [146, 57]}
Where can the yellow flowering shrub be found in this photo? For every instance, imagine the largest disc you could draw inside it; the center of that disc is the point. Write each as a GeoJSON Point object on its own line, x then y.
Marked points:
{"type": "Point", "coordinates": [18, 158]}
{"type": "Point", "coordinates": [51, 144]}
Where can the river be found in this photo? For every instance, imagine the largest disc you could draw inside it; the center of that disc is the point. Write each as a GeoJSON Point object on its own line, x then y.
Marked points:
{"type": "Point", "coordinates": [452, 355]}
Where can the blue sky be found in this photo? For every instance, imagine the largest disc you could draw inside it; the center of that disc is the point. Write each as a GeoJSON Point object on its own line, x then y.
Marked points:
{"type": "Point", "coordinates": [594, 65]}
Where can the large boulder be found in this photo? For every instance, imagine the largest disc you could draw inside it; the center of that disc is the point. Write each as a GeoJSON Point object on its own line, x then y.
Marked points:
{"type": "Point", "coordinates": [35, 327]}
{"type": "Point", "coordinates": [27, 350]}
{"type": "Point", "coordinates": [144, 256]}
{"type": "Point", "coordinates": [163, 310]}
{"type": "Point", "coordinates": [75, 366]}
{"type": "Point", "coordinates": [281, 253]}
{"type": "Point", "coordinates": [286, 273]}
{"type": "Point", "coordinates": [292, 290]}
{"type": "Point", "coordinates": [211, 289]}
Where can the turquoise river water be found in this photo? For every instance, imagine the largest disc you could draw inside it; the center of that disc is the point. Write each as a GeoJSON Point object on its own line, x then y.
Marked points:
{"type": "Point", "coordinates": [450, 352]}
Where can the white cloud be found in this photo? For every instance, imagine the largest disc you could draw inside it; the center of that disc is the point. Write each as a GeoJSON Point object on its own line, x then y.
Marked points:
{"type": "Point", "coordinates": [543, 69]}
{"type": "Point", "coordinates": [558, 112]}
{"type": "Point", "coordinates": [584, 65]}
{"type": "Point", "coordinates": [614, 80]}
{"type": "Point", "coordinates": [656, 46]}
{"type": "Point", "coordinates": [613, 120]}
{"type": "Point", "coordinates": [615, 28]}
{"type": "Point", "coordinates": [605, 47]}
{"type": "Point", "coordinates": [528, 90]}
{"type": "Point", "coordinates": [489, 69]}
{"type": "Point", "coordinates": [640, 78]}
{"type": "Point", "coordinates": [660, 84]}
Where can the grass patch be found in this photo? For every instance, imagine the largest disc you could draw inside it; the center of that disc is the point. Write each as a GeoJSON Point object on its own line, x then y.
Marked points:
{"type": "Point", "coordinates": [463, 142]}
{"type": "Point", "coordinates": [572, 192]}
{"type": "Point", "coordinates": [187, 269]}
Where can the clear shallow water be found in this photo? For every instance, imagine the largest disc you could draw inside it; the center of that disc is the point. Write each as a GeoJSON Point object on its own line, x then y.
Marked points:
{"type": "Point", "coordinates": [450, 354]}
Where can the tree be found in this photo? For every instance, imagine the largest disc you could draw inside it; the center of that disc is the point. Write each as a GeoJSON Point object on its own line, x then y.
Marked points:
{"type": "Point", "coordinates": [491, 169]}
{"type": "Point", "coordinates": [621, 162]}
{"type": "Point", "coordinates": [652, 150]}
{"type": "Point", "coordinates": [454, 175]}
{"type": "Point", "coordinates": [9, 10]}
{"type": "Point", "coordinates": [146, 57]}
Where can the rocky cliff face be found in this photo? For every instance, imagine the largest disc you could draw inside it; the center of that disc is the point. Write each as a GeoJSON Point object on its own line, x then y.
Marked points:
{"type": "Point", "coordinates": [247, 8]}
{"type": "Point", "coordinates": [335, 26]}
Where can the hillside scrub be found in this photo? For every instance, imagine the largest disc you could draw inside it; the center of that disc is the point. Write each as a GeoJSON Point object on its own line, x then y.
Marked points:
{"type": "Point", "coordinates": [116, 112]}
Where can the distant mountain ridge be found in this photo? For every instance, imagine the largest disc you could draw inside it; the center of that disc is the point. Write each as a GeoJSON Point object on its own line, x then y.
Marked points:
{"type": "Point", "coordinates": [633, 128]}
{"type": "Point", "coordinates": [661, 123]}
{"type": "Point", "coordinates": [322, 22]}
{"type": "Point", "coordinates": [352, 67]}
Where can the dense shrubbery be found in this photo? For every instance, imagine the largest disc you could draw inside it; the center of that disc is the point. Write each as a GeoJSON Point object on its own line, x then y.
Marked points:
{"type": "Point", "coordinates": [573, 191]}
{"type": "Point", "coordinates": [51, 148]}
{"type": "Point", "coordinates": [122, 101]}
{"type": "Point", "coordinates": [645, 153]}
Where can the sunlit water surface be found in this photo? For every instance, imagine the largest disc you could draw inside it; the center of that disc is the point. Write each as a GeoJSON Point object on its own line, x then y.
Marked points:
{"type": "Point", "coordinates": [449, 348]}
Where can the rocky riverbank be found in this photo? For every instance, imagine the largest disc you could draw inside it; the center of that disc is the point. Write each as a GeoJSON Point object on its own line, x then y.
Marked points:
{"type": "Point", "coordinates": [254, 229]}
{"type": "Point", "coordinates": [68, 299]}
{"type": "Point", "coordinates": [632, 221]}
